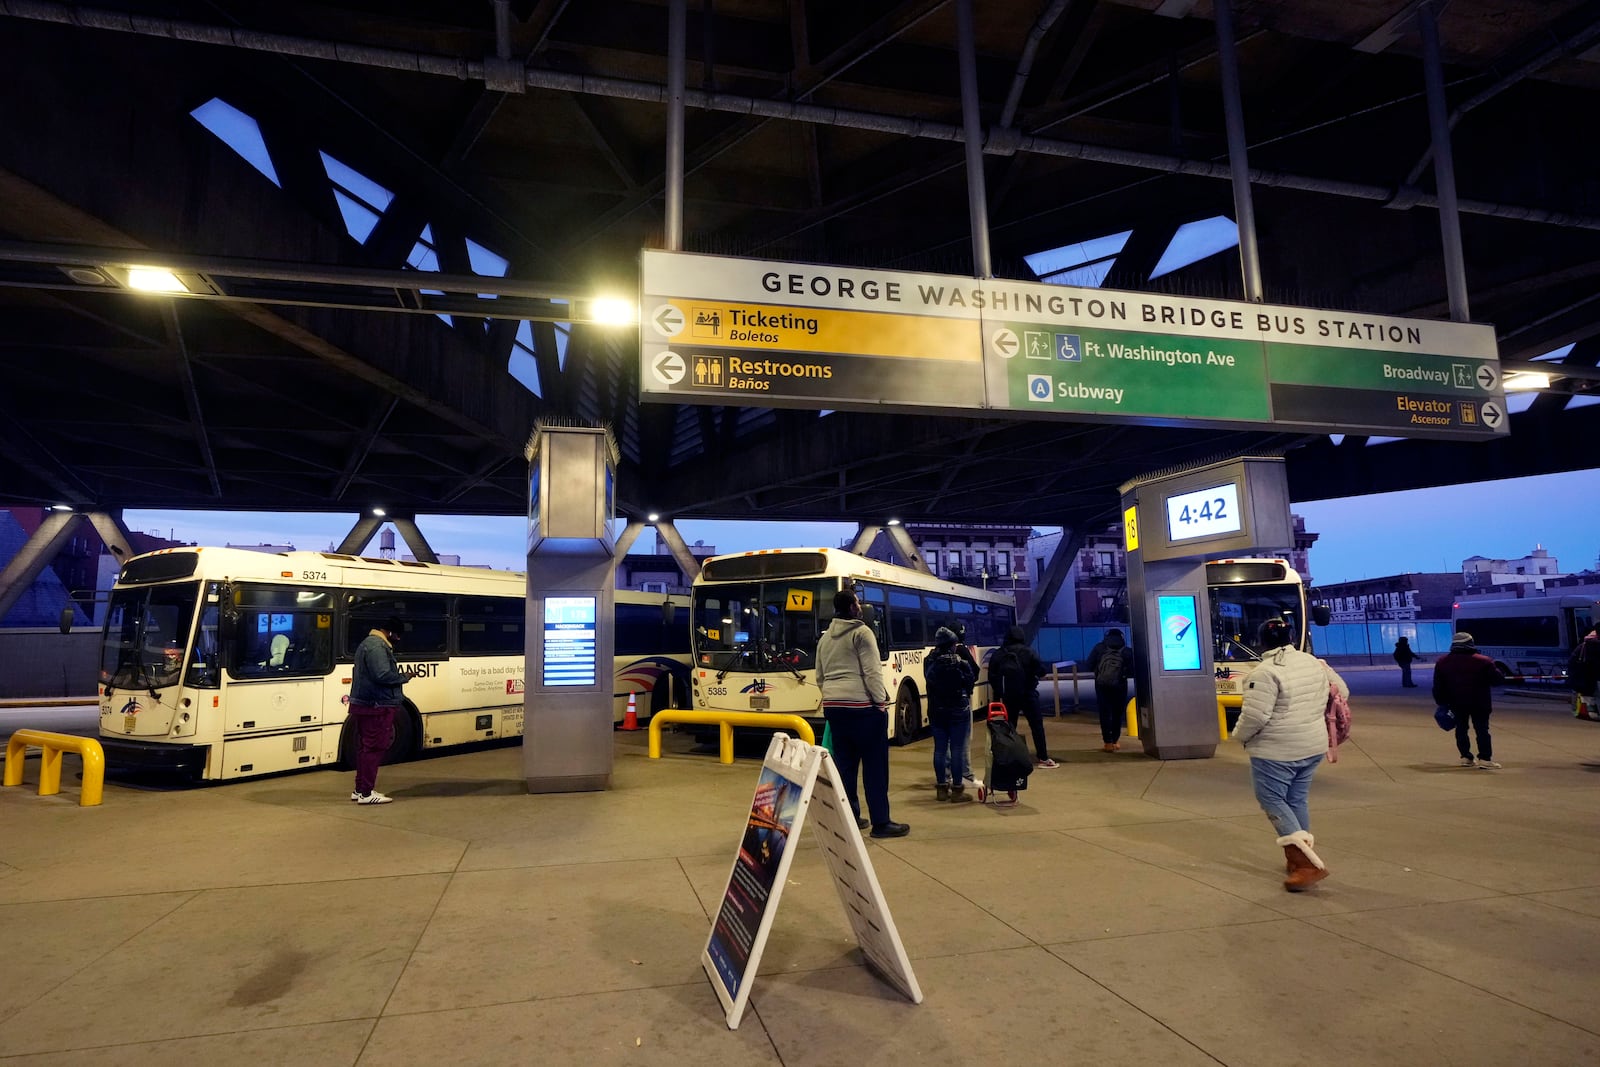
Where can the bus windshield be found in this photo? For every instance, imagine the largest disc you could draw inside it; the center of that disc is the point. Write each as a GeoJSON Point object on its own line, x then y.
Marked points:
{"type": "Point", "coordinates": [1237, 611]}
{"type": "Point", "coordinates": [147, 630]}
{"type": "Point", "coordinates": [760, 626]}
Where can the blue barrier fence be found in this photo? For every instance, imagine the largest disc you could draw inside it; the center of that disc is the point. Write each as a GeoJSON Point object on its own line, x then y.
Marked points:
{"type": "Point", "coordinates": [1429, 637]}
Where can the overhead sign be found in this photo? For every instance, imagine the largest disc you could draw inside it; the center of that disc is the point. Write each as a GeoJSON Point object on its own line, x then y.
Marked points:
{"type": "Point", "coordinates": [735, 331]}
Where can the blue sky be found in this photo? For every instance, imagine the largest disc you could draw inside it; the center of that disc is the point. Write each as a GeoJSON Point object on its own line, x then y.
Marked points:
{"type": "Point", "coordinates": [1361, 537]}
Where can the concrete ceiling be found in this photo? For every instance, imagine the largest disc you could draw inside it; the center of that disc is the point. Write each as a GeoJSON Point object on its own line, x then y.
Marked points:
{"type": "Point", "coordinates": [317, 377]}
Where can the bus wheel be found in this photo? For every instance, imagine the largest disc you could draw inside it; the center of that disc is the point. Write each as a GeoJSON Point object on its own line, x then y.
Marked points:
{"type": "Point", "coordinates": [907, 715]}
{"type": "Point", "coordinates": [404, 745]}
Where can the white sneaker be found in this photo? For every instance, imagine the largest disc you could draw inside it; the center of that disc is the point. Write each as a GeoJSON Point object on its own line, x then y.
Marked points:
{"type": "Point", "coordinates": [1468, 761]}
{"type": "Point", "coordinates": [374, 797]}
{"type": "Point", "coordinates": [354, 795]}
{"type": "Point", "coordinates": [1488, 764]}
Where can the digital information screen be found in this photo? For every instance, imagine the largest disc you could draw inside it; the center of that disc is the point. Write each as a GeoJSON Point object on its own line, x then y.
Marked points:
{"type": "Point", "coordinates": [569, 640]}
{"type": "Point", "coordinates": [1204, 513]}
{"type": "Point", "coordinates": [1180, 633]}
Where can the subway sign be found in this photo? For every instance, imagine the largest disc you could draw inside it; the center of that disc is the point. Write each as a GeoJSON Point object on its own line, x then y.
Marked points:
{"type": "Point", "coordinates": [719, 330]}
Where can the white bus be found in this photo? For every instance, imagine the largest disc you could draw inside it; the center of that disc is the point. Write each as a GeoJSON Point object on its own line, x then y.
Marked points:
{"type": "Point", "coordinates": [222, 663]}
{"type": "Point", "coordinates": [756, 617]}
{"type": "Point", "coordinates": [1244, 593]}
{"type": "Point", "coordinates": [1531, 638]}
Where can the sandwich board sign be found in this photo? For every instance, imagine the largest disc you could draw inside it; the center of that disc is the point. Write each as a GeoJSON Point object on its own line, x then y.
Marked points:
{"type": "Point", "coordinates": [798, 782]}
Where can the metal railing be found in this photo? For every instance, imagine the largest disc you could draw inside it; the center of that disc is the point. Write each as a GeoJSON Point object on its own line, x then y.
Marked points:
{"type": "Point", "coordinates": [725, 721]}
{"type": "Point", "coordinates": [51, 747]}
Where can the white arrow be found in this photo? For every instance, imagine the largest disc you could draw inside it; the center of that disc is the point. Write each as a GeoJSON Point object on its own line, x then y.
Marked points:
{"type": "Point", "coordinates": [1487, 377]}
{"type": "Point", "coordinates": [1492, 415]}
{"type": "Point", "coordinates": [1005, 342]}
{"type": "Point", "coordinates": [667, 320]}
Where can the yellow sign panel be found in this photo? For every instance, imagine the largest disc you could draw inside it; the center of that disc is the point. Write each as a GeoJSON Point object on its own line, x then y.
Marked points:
{"type": "Point", "coordinates": [715, 635]}
{"type": "Point", "coordinates": [799, 600]}
{"type": "Point", "coordinates": [824, 330]}
{"type": "Point", "coordinates": [1130, 527]}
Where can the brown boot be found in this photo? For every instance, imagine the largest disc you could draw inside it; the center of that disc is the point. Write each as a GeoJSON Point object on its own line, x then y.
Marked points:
{"type": "Point", "coordinates": [959, 795]}
{"type": "Point", "coordinates": [1305, 867]}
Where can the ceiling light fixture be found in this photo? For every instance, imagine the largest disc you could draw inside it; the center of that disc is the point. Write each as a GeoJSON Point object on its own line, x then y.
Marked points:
{"type": "Point", "coordinates": [155, 280]}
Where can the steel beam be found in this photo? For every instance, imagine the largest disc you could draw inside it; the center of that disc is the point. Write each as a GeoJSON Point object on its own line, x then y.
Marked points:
{"type": "Point", "coordinates": [35, 555]}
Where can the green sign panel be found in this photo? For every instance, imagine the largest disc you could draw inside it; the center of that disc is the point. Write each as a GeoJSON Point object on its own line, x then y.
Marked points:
{"type": "Point", "coordinates": [734, 331]}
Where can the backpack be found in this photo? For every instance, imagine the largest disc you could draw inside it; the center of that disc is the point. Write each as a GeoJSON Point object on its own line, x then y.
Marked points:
{"type": "Point", "coordinates": [1337, 715]}
{"type": "Point", "coordinates": [1007, 677]}
{"type": "Point", "coordinates": [1580, 673]}
{"type": "Point", "coordinates": [948, 684]}
{"type": "Point", "coordinates": [1109, 670]}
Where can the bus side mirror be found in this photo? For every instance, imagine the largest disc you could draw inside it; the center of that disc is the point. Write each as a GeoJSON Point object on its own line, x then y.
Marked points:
{"type": "Point", "coordinates": [869, 615]}
{"type": "Point", "coordinates": [68, 613]}
{"type": "Point", "coordinates": [227, 624]}
{"type": "Point", "coordinates": [669, 612]}
{"type": "Point", "coordinates": [1321, 614]}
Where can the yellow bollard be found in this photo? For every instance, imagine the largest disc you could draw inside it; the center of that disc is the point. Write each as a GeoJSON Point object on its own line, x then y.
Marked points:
{"type": "Point", "coordinates": [51, 746]}
{"type": "Point", "coordinates": [725, 721]}
{"type": "Point", "coordinates": [1133, 718]}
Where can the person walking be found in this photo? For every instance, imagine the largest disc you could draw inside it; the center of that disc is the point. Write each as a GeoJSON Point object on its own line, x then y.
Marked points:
{"type": "Point", "coordinates": [855, 702]}
{"type": "Point", "coordinates": [950, 677]}
{"type": "Point", "coordinates": [375, 686]}
{"type": "Point", "coordinates": [1111, 664]}
{"type": "Point", "coordinates": [1014, 673]}
{"type": "Point", "coordinates": [1284, 730]}
{"type": "Point", "coordinates": [1403, 655]}
{"type": "Point", "coordinates": [1462, 680]}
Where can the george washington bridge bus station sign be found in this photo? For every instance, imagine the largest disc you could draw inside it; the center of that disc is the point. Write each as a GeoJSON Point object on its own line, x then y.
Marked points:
{"type": "Point", "coordinates": [719, 330]}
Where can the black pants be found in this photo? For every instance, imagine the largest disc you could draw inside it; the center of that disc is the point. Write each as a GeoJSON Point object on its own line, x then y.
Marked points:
{"type": "Point", "coordinates": [1112, 701]}
{"type": "Point", "coordinates": [1030, 709]}
{"type": "Point", "coordinates": [861, 741]}
{"type": "Point", "coordinates": [1480, 726]}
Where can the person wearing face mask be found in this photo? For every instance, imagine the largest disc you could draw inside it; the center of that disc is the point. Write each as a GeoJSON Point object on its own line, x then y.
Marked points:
{"type": "Point", "coordinates": [374, 701]}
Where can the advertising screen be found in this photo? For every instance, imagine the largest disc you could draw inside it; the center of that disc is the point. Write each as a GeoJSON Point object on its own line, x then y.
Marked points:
{"type": "Point", "coordinates": [1180, 633]}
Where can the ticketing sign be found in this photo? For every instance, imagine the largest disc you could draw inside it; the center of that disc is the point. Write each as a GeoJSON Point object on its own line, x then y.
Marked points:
{"type": "Point", "coordinates": [732, 331]}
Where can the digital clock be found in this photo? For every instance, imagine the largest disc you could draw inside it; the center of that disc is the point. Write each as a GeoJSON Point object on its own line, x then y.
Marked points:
{"type": "Point", "coordinates": [1204, 513]}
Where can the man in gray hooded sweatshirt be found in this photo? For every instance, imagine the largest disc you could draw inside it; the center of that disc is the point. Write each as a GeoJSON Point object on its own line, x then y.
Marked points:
{"type": "Point", "coordinates": [855, 702]}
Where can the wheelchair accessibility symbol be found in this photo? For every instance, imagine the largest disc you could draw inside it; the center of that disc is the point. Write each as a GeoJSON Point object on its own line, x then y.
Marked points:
{"type": "Point", "coordinates": [1040, 388]}
{"type": "Point", "coordinates": [1069, 346]}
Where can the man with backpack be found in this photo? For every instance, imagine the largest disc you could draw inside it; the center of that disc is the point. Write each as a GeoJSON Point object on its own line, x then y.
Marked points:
{"type": "Point", "coordinates": [950, 677]}
{"type": "Point", "coordinates": [1014, 673]}
{"type": "Point", "coordinates": [1111, 663]}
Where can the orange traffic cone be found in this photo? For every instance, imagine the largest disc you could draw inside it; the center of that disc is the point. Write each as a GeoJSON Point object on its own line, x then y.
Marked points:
{"type": "Point", "coordinates": [630, 719]}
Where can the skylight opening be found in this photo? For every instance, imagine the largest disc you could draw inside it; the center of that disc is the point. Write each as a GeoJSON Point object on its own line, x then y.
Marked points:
{"type": "Point", "coordinates": [1084, 264]}
{"type": "Point", "coordinates": [361, 200]}
{"type": "Point", "coordinates": [1382, 440]}
{"type": "Point", "coordinates": [1195, 241]}
{"type": "Point", "coordinates": [523, 365]}
{"type": "Point", "coordinates": [1517, 403]}
{"type": "Point", "coordinates": [563, 335]}
{"type": "Point", "coordinates": [482, 261]}
{"type": "Point", "coordinates": [239, 132]}
{"type": "Point", "coordinates": [1556, 355]}
{"type": "Point", "coordinates": [1581, 401]}
{"type": "Point", "coordinates": [425, 257]}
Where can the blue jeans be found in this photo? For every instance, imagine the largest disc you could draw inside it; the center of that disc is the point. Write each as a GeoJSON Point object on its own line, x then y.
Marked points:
{"type": "Point", "coordinates": [952, 743]}
{"type": "Point", "coordinates": [1281, 789]}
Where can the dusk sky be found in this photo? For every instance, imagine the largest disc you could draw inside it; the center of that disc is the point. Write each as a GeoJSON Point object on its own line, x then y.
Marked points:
{"type": "Point", "coordinates": [1361, 537]}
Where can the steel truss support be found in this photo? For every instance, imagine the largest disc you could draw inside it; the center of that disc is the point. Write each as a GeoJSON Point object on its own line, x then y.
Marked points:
{"type": "Point", "coordinates": [35, 554]}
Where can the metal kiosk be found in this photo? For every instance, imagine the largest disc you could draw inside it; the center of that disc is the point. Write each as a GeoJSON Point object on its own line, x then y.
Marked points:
{"type": "Point", "coordinates": [1174, 521]}
{"type": "Point", "coordinates": [566, 739]}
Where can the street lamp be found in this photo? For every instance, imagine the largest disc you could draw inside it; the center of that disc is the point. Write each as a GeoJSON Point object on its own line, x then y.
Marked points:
{"type": "Point", "coordinates": [984, 574]}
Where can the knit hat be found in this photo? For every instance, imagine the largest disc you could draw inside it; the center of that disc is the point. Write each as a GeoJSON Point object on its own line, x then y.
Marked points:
{"type": "Point", "coordinates": [1461, 638]}
{"type": "Point", "coordinates": [944, 637]}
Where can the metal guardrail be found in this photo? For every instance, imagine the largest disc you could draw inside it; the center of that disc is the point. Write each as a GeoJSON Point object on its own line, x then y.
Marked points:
{"type": "Point", "coordinates": [1223, 704]}
{"type": "Point", "coordinates": [51, 747]}
{"type": "Point", "coordinates": [725, 721]}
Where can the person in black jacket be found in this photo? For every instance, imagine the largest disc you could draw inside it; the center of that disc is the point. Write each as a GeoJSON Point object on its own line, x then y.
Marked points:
{"type": "Point", "coordinates": [1111, 697]}
{"type": "Point", "coordinates": [1462, 681]}
{"type": "Point", "coordinates": [950, 676]}
{"type": "Point", "coordinates": [1403, 655]}
{"type": "Point", "coordinates": [1014, 673]}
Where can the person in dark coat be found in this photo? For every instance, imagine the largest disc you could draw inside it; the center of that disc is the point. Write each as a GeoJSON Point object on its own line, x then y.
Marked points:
{"type": "Point", "coordinates": [950, 676]}
{"type": "Point", "coordinates": [1025, 702]}
{"type": "Point", "coordinates": [1403, 655]}
{"type": "Point", "coordinates": [1462, 680]}
{"type": "Point", "coordinates": [1111, 697]}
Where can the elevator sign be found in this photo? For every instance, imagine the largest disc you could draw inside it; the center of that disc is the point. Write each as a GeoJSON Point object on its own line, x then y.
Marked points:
{"type": "Point", "coordinates": [717, 330]}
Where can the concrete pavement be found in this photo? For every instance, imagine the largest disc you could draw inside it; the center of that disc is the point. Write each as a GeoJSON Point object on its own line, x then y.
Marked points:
{"type": "Point", "coordinates": [1126, 912]}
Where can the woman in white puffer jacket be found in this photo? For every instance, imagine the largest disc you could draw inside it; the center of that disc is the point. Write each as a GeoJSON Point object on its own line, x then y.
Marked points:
{"type": "Point", "coordinates": [1283, 727]}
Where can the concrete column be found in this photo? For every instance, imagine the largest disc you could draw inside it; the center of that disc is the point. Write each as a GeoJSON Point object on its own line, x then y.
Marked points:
{"type": "Point", "coordinates": [865, 535]}
{"type": "Point", "coordinates": [110, 527]}
{"type": "Point", "coordinates": [1049, 583]}
{"type": "Point", "coordinates": [908, 550]}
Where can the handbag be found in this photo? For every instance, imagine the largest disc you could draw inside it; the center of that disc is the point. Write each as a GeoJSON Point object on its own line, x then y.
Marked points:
{"type": "Point", "coordinates": [1444, 717]}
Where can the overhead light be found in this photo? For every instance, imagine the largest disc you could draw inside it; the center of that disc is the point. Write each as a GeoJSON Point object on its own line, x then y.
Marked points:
{"type": "Point", "coordinates": [1526, 380]}
{"type": "Point", "coordinates": [86, 275]}
{"type": "Point", "coordinates": [378, 513]}
{"type": "Point", "coordinates": [652, 517]}
{"type": "Point", "coordinates": [60, 507]}
{"type": "Point", "coordinates": [894, 522]}
{"type": "Point", "coordinates": [155, 280]}
{"type": "Point", "coordinates": [613, 311]}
